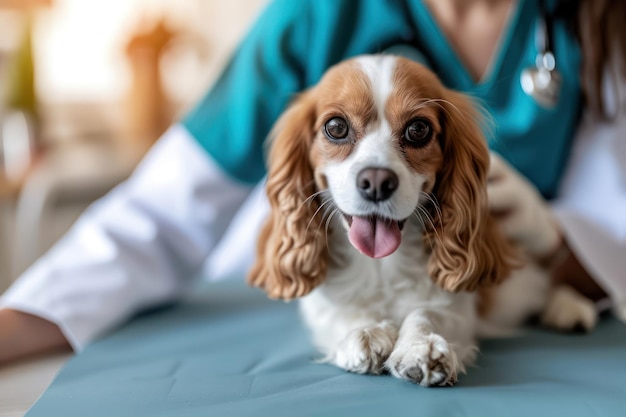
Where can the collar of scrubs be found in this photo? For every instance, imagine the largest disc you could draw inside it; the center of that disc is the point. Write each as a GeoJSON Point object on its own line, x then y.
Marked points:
{"type": "Point", "coordinates": [293, 43]}
{"type": "Point", "coordinates": [457, 75]}
{"type": "Point", "coordinates": [533, 139]}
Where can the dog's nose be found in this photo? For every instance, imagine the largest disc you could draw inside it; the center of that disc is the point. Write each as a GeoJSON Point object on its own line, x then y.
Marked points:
{"type": "Point", "coordinates": [377, 184]}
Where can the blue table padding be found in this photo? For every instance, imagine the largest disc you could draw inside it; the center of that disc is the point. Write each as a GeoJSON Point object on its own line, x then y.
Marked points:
{"type": "Point", "coordinates": [230, 352]}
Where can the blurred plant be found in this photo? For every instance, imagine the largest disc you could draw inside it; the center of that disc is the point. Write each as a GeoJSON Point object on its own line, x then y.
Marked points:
{"type": "Point", "coordinates": [21, 93]}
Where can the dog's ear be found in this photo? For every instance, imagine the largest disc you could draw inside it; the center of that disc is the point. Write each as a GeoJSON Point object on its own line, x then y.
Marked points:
{"type": "Point", "coordinates": [291, 252]}
{"type": "Point", "coordinates": [468, 249]}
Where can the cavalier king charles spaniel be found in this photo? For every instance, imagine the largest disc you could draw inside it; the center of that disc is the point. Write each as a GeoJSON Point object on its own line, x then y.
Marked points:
{"type": "Point", "coordinates": [379, 220]}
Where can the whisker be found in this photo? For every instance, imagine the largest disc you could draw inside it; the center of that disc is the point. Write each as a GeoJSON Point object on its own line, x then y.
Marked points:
{"type": "Point", "coordinates": [312, 196]}
{"type": "Point", "coordinates": [315, 214]}
{"type": "Point", "coordinates": [486, 120]}
{"type": "Point", "coordinates": [391, 207]}
{"type": "Point", "coordinates": [439, 102]}
{"type": "Point", "coordinates": [421, 220]}
{"type": "Point", "coordinates": [428, 217]}
{"type": "Point", "coordinates": [329, 211]}
{"type": "Point", "coordinates": [423, 213]}
{"type": "Point", "coordinates": [330, 207]}
{"type": "Point", "coordinates": [437, 235]}
{"type": "Point", "coordinates": [328, 220]}
{"type": "Point", "coordinates": [433, 199]}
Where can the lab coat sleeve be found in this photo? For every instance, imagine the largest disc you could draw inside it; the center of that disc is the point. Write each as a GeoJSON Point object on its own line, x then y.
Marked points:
{"type": "Point", "coordinates": [591, 207]}
{"type": "Point", "coordinates": [136, 247]}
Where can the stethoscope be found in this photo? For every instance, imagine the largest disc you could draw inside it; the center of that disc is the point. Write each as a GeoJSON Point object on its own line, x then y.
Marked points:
{"type": "Point", "coordinates": [542, 81]}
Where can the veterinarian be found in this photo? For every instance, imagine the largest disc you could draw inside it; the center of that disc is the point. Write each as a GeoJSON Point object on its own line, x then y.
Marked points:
{"type": "Point", "coordinates": [557, 105]}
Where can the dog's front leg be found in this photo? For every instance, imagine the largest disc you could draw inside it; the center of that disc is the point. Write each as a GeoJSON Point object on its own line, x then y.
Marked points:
{"type": "Point", "coordinates": [350, 338]}
{"type": "Point", "coordinates": [365, 348]}
{"type": "Point", "coordinates": [423, 356]}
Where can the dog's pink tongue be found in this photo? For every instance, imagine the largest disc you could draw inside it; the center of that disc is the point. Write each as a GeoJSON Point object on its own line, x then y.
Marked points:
{"type": "Point", "coordinates": [374, 238]}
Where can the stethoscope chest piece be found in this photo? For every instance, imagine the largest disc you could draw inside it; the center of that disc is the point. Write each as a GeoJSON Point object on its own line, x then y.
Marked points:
{"type": "Point", "coordinates": [542, 82]}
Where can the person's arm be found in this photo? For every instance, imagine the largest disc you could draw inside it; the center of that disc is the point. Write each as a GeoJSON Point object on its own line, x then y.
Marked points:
{"type": "Point", "coordinates": [591, 210]}
{"type": "Point", "coordinates": [138, 246]}
{"type": "Point", "coordinates": [581, 239]}
{"type": "Point", "coordinates": [23, 335]}
{"type": "Point", "coordinates": [530, 222]}
{"type": "Point", "coordinates": [568, 270]}
{"type": "Point", "coordinates": [591, 204]}
{"type": "Point", "coordinates": [522, 212]}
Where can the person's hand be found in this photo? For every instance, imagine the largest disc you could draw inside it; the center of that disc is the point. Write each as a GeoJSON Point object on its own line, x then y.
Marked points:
{"type": "Point", "coordinates": [23, 335]}
{"type": "Point", "coordinates": [526, 219]}
{"type": "Point", "coordinates": [522, 212]}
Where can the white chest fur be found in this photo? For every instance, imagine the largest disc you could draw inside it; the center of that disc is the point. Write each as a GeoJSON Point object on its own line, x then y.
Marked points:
{"type": "Point", "coordinates": [360, 290]}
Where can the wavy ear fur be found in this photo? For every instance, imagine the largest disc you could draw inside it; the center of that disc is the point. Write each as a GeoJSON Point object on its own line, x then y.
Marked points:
{"type": "Point", "coordinates": [291, 252]}
{"type": "Point", "coordinates": [468, 249]}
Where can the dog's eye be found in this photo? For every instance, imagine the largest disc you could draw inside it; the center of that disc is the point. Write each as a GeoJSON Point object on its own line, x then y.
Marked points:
{"type": "Point", "coordinates": [418, 132]}
{"type": "Point", "coordinates": [336, 128]}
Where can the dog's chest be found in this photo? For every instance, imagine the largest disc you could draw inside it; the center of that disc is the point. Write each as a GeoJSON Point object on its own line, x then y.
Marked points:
{"type": "Point", "coordinates": [390, 287]}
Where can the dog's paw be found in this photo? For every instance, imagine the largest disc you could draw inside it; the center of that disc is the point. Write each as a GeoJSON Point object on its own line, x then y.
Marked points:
{"type": "Point", "coordinates": [365, 350]}
{"type": "Point", "coordinates": [568, 310]}
{"type": "Point", "coordinates": [427, 361]}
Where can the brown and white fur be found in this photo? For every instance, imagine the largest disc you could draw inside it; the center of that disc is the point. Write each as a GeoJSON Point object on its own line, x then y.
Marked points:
{"type": "Point", "coordinates": [385, 239]}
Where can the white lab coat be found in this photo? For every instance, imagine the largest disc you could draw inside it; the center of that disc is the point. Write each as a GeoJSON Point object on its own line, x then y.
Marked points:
{"type": "Point", "coordinates": [142, 243]}
{"type": "Point", "coordinates": [591, 204]}
{"type": "Point", "coordinates": [591, 207]}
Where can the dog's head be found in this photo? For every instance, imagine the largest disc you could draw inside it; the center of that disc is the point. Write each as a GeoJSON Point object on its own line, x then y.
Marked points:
{"type": "Point", "coordinates": [379, 139]}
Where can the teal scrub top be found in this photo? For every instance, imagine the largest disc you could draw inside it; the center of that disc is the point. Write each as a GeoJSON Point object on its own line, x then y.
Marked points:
{"type": "Point", "coordinates": [294, 42]}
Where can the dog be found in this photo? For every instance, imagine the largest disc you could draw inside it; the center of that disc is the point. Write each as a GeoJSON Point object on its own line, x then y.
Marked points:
{"type": "Point", "coordinates": [379, 222]}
